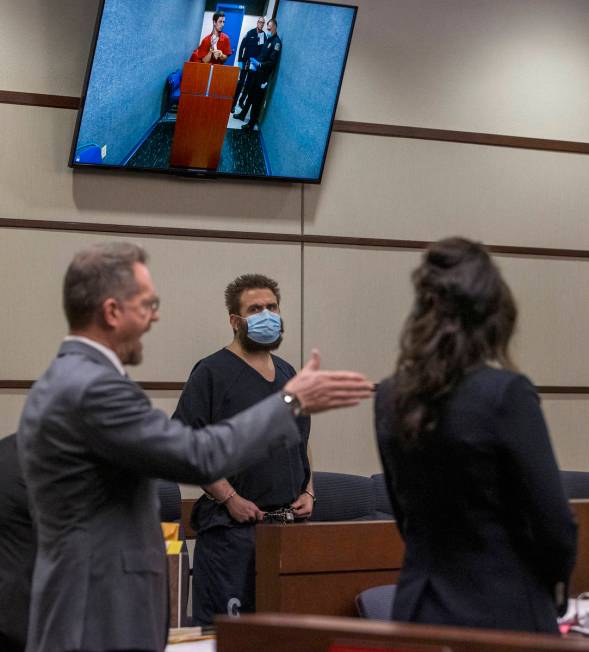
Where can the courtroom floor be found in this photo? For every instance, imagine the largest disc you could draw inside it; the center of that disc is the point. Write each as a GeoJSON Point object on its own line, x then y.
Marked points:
{"type": "Point", "coordinates": [241, 154]}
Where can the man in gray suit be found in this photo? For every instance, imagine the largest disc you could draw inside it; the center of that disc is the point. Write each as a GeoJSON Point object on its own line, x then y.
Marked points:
{"type": "Point", "coordinates": [90, 442]}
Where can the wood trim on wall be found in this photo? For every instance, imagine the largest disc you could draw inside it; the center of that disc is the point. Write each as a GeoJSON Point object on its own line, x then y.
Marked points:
{"type": "Point", "coordinates": [350, 127]}
{"type": "Point", "coordinates": [341, 126]}
{"type": "Point", "coordinates": [39, 99]}
{"type": "Point", "coordinates": [260, 236]}
{"type": "Point", "coordinates": [154, 385]}
{"type": "Point", "coordinates": [468, 137]}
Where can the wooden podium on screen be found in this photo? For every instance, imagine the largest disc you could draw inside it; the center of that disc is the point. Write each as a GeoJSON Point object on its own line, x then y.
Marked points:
{"type": "Point", "coordinates": [206, 96]}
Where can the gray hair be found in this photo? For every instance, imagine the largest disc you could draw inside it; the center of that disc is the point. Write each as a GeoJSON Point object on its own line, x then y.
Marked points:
{"type": "Point", "coordinates": [97, 273]}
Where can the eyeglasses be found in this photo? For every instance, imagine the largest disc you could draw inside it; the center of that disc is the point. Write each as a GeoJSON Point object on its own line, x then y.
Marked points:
{"type": "Point", "coordinates": [150, 304]}
{"type": "Point", "coordinates": [147, 305]}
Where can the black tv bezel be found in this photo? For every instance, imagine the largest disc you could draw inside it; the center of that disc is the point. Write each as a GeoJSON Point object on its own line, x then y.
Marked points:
{"type": "Point", "coordinates": [198, 173]}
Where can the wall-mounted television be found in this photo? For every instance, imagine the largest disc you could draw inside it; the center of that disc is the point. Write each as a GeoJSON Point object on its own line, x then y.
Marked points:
{"type": "Point", "coordinates": [213, 89]}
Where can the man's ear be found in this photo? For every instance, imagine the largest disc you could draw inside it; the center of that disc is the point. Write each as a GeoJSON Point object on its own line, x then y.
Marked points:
{"type": "Point", "coordinates": [110, 312]}
{"type": "Point", "coordinates": [234, 321]}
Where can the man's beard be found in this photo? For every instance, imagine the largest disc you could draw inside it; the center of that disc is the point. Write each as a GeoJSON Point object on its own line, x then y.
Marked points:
{"type": "Point", "coordinates": [249, 345]}
{"type": "Point", "coordinates": [132, 355]}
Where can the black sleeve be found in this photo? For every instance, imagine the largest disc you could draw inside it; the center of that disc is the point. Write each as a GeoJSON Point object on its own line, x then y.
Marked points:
{"type": "Point", "coordinates": [304, 426]}
{"type": "Point", "coordinates": [537, 493]}
{"type": "Point", "coordinates": [242, 47]}
{"type": "Point", "coordinates": [270, 63]}
{"type": "Point", "coordinates": [195, 407]}
{"type": "Point", "coordinates": [384, 436]}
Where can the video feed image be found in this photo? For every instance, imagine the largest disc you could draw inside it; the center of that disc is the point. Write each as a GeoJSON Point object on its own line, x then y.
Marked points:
{"type": "Point", "coordinates": [211, 88]}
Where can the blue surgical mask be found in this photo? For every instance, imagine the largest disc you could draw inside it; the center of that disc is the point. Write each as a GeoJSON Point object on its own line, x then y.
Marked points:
{"type": "Point", "coordinates": [264, 327]}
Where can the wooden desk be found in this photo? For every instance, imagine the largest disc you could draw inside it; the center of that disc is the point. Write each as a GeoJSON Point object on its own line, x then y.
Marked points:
{"type": "Point", "coordinates": [580, 577]}
{"type": "Point", "coordinates": [186, 510]}
{"type": "Point", "coordinates": [318, 568]}
{"type": "Point", "coordinates": [280, 633]}
{"type": "Point", "coordinates": [179, 585]}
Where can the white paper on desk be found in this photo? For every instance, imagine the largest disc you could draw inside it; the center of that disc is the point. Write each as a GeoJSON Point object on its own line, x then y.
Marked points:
{"type": "Point", "coordinates": [577, 611]}
{"type": "Point", "coordinates": [580, 630]}
{"type": "Point", "coordinates": [209, 645]}
{"type": "Point", "coordinates": [571, 614]}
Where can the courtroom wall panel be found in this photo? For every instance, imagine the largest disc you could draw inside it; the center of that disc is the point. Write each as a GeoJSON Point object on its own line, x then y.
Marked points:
{"type": "Point", "coordinates": [11, 405]}
{"type": "Point", "coordinates": [502, 67]}
{"type": "Point", "coordinates": [190, 276]}
{"type": "Point", "coordinates": [355, 315]}
{"type": "Point", "coordinates": [553, 317]}
{"type": "Point", "coordinates": [499, 67]}
{"type": "Point", "coordinates": [516, 68]}
{"type": "Point", "coordinates": [567, 417]}
{"type": "Point", "coordinates": [356, 300]}
{"type": "Point", "coordinates": [44, 46]}
{"type": "Point", "coordinates": [423, 190]}
{"type": "Point", "coordinates": [36, 183]}
{"type": "Point", "coordinates": [355, 303]}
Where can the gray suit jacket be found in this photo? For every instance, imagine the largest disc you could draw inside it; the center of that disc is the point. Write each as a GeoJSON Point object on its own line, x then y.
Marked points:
{"type": "Point", "coordinates": [89, 442]}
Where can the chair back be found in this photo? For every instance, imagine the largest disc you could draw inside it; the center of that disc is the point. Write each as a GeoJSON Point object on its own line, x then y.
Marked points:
{"type": "Point", "coordinates": [575, 483]}
{"type": "Point", "coordinates": [342, 497]}
{"type": "Point", "coordinates": [376, 603]}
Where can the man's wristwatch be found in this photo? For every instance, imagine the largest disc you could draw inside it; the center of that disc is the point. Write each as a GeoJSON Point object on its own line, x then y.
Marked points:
{"type": "Point", "coordinates": [293, 403]}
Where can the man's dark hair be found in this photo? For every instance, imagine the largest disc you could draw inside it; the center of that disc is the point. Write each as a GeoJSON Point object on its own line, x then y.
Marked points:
{"type": "Point", "coordinates": [97, 273]}
{"type": "Point", "coordinates": [273, 20]}
{"type": "Point", "coordinates": [248, 282]}
{"type": "Point", "coordinates": [217, 15]}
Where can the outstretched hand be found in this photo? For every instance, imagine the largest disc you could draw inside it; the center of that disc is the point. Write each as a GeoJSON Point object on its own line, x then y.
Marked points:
{"type": "Point", "coordinates": [319, 390]}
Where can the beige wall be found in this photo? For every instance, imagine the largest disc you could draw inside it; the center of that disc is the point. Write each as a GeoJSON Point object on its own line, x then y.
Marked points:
{"type": "Point", "coordinates": [516, 67]}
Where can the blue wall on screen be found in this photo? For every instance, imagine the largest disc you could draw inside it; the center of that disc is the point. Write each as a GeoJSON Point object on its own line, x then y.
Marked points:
{"type": "Point", "coordinates": [300, 103]}
{"type": "Point", "coordinates": [139, 44]}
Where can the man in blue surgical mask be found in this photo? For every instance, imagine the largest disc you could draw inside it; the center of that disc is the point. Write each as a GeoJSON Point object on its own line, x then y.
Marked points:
{"type": "Point", "coordinates": [219, 386]}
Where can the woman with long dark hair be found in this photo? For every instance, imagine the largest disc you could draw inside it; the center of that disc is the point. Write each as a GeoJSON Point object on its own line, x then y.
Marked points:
{"type": "Point", "coordinates": [476, 492]}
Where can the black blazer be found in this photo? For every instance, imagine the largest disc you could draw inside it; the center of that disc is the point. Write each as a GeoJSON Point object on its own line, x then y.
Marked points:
{"type": "Point", "coordinates": [17, 549]}
{"type": "Point", "coordinates": [487, 527]}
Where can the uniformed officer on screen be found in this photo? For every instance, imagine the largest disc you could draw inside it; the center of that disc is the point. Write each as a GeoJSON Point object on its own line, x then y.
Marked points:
{"type": "Point", "coordinates": [250, 48]}
{"type": "Point", "coordinates": [263, 69]}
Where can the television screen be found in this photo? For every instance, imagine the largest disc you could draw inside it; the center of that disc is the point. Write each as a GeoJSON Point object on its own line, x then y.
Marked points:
{"type": "Point", "coordinates": [203, 88]}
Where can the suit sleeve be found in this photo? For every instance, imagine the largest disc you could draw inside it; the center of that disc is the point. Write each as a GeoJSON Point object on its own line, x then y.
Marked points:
{"type": "Point", "coordinates": [384, 435]}
{"type": "Point", "coordinates": [536, 490]}
{"type": "Point", "coordinates": [125, 430]}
